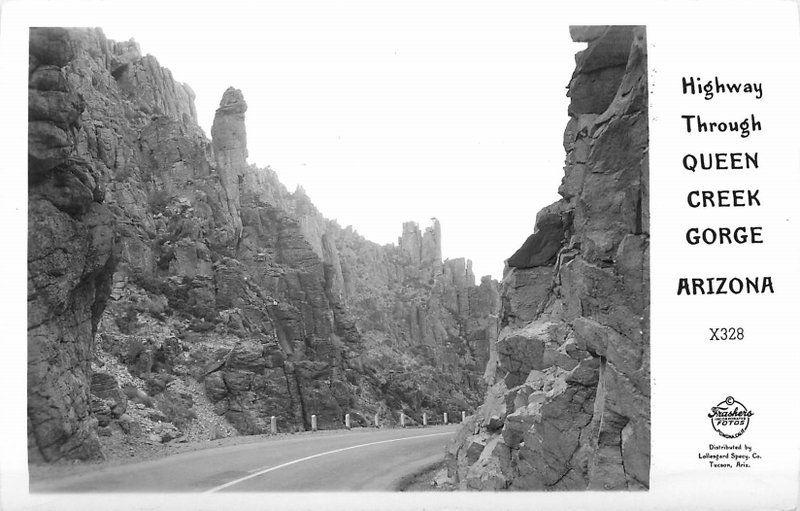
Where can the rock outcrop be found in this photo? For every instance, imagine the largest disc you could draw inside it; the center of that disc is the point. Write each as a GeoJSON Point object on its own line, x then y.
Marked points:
{"type": "Point", "coordinates": [70, 257]}
{"type": "Point", "coordinates": [569, 402]}
{"type": "Point", "coordinates": [160, 262]}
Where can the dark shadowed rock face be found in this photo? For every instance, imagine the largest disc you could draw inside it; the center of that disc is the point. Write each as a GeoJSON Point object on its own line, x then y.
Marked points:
{"type": "Point", "coordinates": [162, 256]}
{"type": "Point", "coordinates": [70, 258]}
{"type": "Point", "coordinates": [569, 403]}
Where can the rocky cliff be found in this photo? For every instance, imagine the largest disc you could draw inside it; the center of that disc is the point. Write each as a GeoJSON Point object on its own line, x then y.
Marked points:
{"type": "Point", "coordinates": [569, 404]}
{"type": "Point", "coordinates": [175, 290]}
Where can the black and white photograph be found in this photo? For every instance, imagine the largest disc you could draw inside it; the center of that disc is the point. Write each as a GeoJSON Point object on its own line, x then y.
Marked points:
{"type": "Point", "coordinates": [183, 301]}
{"type": "Point", "coordinates": [298, 255]}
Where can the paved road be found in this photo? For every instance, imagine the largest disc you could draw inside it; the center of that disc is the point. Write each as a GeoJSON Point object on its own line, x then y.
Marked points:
{"type": "Point", "coordinates": [361, 459]}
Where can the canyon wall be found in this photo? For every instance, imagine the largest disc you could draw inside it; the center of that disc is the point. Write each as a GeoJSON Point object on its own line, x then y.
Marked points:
{"type": "Point", "coordinates": [569, 402]}
{"type": "Point", "coordinates": [176, 291]}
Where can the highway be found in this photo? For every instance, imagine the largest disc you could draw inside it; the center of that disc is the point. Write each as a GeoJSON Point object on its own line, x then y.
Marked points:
{"type": "Point", "coordinates": [359, 459]}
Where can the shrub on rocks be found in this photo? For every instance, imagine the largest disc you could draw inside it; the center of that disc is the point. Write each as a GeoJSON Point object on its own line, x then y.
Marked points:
{"type": "Point", "coordinates": [176, 408]}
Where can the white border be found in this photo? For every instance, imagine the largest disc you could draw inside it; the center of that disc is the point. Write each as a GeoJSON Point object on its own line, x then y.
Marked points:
{"type": "Point", "coordinates": [694, 493]}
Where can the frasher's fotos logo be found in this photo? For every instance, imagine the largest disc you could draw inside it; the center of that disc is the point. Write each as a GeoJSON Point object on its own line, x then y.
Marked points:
{"type": "Point", "coordinates": [730, 418]}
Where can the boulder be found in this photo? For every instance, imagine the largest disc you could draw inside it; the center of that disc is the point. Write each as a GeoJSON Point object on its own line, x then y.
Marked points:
{"type": "Point", "coordinates": [104, 386]}
{"type": "Point", "coordinates": [101, 410]}
{"type": "Point", "coordinates": [550, 233]}
{"type": "Point", "coordinates": [492, 469]}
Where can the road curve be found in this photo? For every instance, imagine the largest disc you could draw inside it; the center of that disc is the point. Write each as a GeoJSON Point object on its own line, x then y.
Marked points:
{"type": "Point", "coordinates": [360, 459]}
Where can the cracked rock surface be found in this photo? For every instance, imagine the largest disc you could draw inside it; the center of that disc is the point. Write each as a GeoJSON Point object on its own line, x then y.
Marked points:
{"type": "Point", "coordinates": [569, 403]}
{"type": "Point", "coordinates": [161, 264]}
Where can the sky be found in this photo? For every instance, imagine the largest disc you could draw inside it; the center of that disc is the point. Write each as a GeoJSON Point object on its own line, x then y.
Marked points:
{"type": "Point", "coordinates": [384, 113]}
